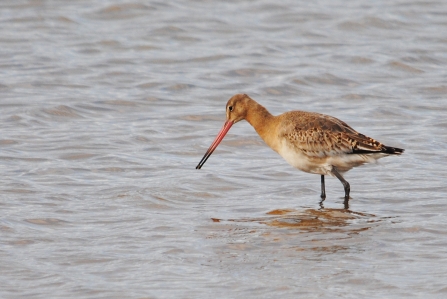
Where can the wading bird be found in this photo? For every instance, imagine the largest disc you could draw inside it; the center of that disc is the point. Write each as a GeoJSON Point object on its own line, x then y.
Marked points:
{"type": "Point", "coordinates": [312, 142]}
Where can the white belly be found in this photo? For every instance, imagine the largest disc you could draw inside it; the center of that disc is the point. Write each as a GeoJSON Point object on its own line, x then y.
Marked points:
{"type": "Point", "coordinates": [323, 165]}
{"type": "Point", "coordinates": [303, 162]}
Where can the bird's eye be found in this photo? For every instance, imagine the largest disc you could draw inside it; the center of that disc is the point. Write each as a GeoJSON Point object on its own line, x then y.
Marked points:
{"type": "Point", "coordinates": [230, 108]}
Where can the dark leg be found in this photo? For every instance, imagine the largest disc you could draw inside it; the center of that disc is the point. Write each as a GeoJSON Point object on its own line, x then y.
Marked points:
{"type": "Point", "coordinates": [343, 181]}
{"type": "Point", "coordinates": [323, 189]}
{"type": "Point", "coordinates": [346, 203]}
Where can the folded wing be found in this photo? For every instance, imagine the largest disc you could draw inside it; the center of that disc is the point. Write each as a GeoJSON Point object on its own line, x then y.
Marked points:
{"type": "Point", "coordinates": [319, 135]}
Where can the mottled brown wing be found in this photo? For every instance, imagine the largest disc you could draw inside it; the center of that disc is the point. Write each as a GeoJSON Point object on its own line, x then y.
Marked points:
{"type": "Point", "coordinates": [322, 135]}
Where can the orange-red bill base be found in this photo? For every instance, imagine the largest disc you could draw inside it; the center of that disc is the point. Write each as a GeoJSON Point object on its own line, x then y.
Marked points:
{"type": "Point", "coordinates": [215, 143]}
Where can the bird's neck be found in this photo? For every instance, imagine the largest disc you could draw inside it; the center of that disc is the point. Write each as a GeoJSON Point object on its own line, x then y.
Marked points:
{"type": "Point", "coordinates": [263, 122]}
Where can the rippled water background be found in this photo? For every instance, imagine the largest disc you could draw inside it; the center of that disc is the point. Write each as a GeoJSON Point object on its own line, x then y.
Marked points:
{"type": "Point", "coordinates": [107, 107]}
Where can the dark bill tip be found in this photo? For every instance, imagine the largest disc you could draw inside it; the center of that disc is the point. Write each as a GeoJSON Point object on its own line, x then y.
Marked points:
{"type": "Point", "coordinates": [215, 143]}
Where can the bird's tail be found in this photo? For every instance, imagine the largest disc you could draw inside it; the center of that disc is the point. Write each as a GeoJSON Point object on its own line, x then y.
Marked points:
{"type": "Point", "coordinates": [392, 150]}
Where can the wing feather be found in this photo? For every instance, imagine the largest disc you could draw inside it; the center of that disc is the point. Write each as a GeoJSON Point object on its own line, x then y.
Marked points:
{"type": "Point", "coordinates": [320, 135]}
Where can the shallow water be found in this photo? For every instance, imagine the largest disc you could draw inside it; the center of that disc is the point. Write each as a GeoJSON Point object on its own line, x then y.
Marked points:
{"type": "Point", "coordinates": [108, 106]}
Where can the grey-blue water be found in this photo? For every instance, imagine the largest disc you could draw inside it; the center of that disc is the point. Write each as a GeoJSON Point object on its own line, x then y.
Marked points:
{"type": "Point", "coordinates": [108, 106]}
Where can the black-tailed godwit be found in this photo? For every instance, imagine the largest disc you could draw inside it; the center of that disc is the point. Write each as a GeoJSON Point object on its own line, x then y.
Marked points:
{"type": "Point", "coordinates": [312, 142]}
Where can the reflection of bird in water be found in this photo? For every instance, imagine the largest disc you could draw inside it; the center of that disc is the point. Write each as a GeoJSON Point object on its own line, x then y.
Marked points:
{"type": "Point", "coordinates": [325, 230]}
{"type": "Point", "coordinates": [309, 219]}
{"type": "Point", "coordinates": [315, 220]}
{"type": "Point", "coordinates": [312, 142]}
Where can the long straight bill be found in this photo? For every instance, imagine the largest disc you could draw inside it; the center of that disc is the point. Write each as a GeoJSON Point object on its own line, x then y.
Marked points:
{"type": "Point", "coordinates": [215, 143]}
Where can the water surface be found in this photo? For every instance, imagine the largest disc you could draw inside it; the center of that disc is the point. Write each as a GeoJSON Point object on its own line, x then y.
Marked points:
{"type": "Point", "coordinates": [108, 106]}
